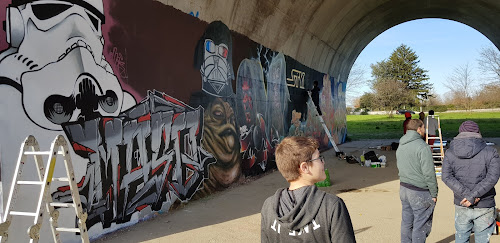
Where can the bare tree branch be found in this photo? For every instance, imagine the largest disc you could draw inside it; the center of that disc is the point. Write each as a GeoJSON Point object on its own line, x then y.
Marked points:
{"type": "Point", "coordinates": [489, 62]}
{"type": "Point", "coordinates": [461, 84]}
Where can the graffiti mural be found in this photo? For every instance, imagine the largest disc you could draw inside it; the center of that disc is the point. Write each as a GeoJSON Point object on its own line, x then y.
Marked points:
{"type": "Point", "coordinates": [46, 37]}
{"type": "Point", "coordinates": [213, 57]}
{"type": "Point", "coordinates": [90, 71]}
{"type": "Point", "coordinates": [251, 92]}
{"type": "Point", "coordinates": [147, 156]}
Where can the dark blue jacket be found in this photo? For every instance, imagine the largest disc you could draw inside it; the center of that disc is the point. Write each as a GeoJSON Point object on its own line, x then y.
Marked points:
{"type": "Point", "coordinates": [471, 169]}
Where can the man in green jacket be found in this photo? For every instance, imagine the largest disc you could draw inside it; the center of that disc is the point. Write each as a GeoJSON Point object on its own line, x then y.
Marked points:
{"type": "Point", "coordinates": [418, 185]}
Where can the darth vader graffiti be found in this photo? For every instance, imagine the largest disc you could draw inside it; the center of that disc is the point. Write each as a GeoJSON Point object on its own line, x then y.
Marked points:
{"type": "Point", "coordinates": [59, 44]}
{"type": "Point", "coordinates": [213, 57]}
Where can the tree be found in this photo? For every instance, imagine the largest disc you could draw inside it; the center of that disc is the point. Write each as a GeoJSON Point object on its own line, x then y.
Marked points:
{"type": "Point", "coordinates": [402, 66]}
{"type": "Point", "coordinates": [355, 82]}
{"type": "Point", "coordinates": [460, 83]}
{"type": "Point", "coordinates": [489, 62]}
{"type": "Point", "coordinates": [366, 101]}
{"type": "Point", "coordinates": [391, 94]}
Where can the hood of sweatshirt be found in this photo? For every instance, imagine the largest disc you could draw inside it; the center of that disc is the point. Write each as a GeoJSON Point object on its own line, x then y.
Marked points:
{"type": "Point", "coordinates": [295, 209]}
{"type": "Point", "coordinates": [467, 144]}
{"type": "Point", "coordinates": [410, 136]}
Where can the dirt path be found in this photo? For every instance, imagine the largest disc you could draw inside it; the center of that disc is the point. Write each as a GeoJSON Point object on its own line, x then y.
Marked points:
{"type": "Point", "coordinates": [371, 195]}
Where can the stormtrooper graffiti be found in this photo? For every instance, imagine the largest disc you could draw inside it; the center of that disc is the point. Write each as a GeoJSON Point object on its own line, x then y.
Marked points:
{"type": "Point", "coordinates": [150, 155]}
{"type": "Point", "coordinates": [59, 44]}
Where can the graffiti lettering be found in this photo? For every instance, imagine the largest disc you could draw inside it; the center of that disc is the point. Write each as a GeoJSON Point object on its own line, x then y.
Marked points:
{"type": "Point", "coordinates": [194, 15]}
{"type": "Point", "coordinates": [297, 80]}
{"type": "Point", "coordinates": [118, 60]}
{"type": "Point", "coordinates": [148, 156]}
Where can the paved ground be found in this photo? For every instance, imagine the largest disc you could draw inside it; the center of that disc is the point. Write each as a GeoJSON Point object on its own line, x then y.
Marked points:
{"type": "Point", "coordinates": [371, 195]}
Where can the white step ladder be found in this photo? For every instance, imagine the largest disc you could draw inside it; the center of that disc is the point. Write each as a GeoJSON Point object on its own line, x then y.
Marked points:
{"type": "Point", "coordinates": [58, 147]}
{"type": "Point", "coordinates": [320, 117]}
{"type": "Point", "coordinates": [439, 156]}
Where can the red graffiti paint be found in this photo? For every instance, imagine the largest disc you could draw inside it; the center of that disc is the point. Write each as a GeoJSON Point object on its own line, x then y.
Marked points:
{"type": "Point", "coordinates": [136, 168]}
{"type": "Point", "coordinates": [144, 118]}
{"type": "Point", "coordinates": [65, 188]}
{"type": "Point", "coordinates": [79, 147]}
{"type": "Point", "coordinates": [141, 207]}
{"type": "Point", "coordinates": [158, 167]}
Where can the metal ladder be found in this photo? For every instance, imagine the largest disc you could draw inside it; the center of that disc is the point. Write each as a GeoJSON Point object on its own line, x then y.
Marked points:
{"type": "Point", "coordinates": [320, 117]}
{"type": "Point", "coordinates": [58, 147]}
{"type": "Point", "coordinates": [440, 155]}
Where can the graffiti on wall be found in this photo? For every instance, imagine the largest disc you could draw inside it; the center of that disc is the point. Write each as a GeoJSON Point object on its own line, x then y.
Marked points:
{"type": "Point", "coordinates": [46, 37]}
{"type": "Point", "coordinates": [213, 57]}
{"type": "Point", "coordinates": [130, 156]}
{"type": "Point", "coordinates": [147, 156]}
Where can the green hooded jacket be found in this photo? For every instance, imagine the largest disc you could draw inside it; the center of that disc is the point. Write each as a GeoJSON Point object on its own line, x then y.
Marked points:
{"type": "Point", "coordinates": [415, 162]}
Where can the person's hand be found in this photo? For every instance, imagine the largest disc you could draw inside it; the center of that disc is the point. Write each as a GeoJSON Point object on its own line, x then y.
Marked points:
{"type": "Point", "coordinates": [465, 203]}
{"type": "Point", "coordinates": [476, 200]}
{"type": "Point", "coordinates": [435, 199]}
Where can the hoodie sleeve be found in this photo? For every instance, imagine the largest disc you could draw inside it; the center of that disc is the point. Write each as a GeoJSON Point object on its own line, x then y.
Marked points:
{"type": "Point", "coordinates": [491, 179]}
{"type": "Point", "coordinates": [448, 177]}
{"type": "Point", "coordinates": [427, 165]}
{"type": "Point", "coordinates": [341, 226]}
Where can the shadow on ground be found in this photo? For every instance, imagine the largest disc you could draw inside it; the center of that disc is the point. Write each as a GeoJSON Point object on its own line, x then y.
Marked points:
{"type": "Point", "coordinates": [246, 200]}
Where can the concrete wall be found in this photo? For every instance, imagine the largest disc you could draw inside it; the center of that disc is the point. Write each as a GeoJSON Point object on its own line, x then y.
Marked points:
{"type": "Point", "coordinates": [159, 106]}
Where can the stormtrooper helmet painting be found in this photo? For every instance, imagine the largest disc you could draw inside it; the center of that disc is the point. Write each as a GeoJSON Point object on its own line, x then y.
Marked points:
{"type": "Point", "coordinates": [59, 44]}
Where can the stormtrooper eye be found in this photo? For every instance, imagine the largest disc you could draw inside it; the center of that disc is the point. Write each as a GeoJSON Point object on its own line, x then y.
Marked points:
{"type": "Point", "coordinates": [223, 51]}
{"type": "Point", "coordinates": [95, 21]}
{"type": "Point", "coordinates": [47, 11]}
{"type": "Point", "coordinates": [210, 46]}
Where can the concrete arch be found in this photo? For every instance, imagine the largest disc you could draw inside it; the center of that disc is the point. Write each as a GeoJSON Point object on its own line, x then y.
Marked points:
{"type": "Point", "coordinates": [329, 35]}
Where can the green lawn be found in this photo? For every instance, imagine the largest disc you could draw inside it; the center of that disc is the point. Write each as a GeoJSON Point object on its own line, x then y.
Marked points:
{"type": "Point", "coordinates": [381, 126]}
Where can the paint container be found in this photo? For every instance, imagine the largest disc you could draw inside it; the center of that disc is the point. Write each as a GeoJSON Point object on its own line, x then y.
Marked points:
{"type": "Point", "coordinates": [382, 164]}
{"type": "Point", "coordinates": [368, 163]}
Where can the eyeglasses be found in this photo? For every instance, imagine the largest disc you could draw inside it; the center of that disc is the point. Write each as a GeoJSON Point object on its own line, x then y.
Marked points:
{"type": "Point", "coordinates": [321, 158]}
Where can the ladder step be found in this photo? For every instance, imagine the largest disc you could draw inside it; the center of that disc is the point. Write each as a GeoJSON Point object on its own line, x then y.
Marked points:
{"type": "Point", "coordinates": [76, 230]}
{"type": "Point", "coordinates": [435, 146]}
{"type": "Point", "coordinates": [30, 182]}
{"type": "Point", "coordinates": [37, 152]}
{"type": "Point", "coordinates": [433, 138]}
{"type": "Point", "coordinates": [60, 179]}
{"type": "Point", "coordinates": [22, 213]}
{"type": "Point", "coordinates": [65, 205]}
{"type": "Point", "coordinates": [435, 156]}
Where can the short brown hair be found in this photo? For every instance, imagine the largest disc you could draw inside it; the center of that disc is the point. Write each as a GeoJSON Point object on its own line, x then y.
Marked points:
{"type": "Point", "coordinates": [291, 152]}
{"type": "Point", "coordinates": [414, 124]}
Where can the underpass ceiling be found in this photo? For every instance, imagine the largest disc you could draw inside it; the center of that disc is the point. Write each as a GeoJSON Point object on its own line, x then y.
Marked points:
{"type": "Point", "coordinates": [328, 35]}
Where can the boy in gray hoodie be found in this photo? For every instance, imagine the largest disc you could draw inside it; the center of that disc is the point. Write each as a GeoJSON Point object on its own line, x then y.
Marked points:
{"type": "Point", "coordinates": [301, 212]}
{"type": "Point", "coordinates": [471, 169]}
{"type": "Point", "coordinates": [418, 186]}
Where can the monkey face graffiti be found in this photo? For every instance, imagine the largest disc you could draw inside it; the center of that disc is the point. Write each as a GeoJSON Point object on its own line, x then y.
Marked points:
{"type": "Point", "coordinates": [59, 44]}
{"type": "Point", "coordinates": [221, 140]}
{"type": "Point", "coordinates": [215, 69]}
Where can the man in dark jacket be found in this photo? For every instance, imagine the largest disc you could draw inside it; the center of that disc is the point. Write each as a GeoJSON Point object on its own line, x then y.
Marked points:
{"type": "Point", "coordinates": [471, 169]}
{"type": "Point", "coordinates": [302, 212]}
{"type": "Point", "coordinates": [418, 186]}
{"type": "Point", "coordinates": [315, 96]}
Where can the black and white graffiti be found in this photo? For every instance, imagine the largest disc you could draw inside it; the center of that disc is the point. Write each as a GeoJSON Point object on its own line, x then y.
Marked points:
{"type": "Point", "coordinates": [59, 44]}
{"type": "Point", "coordinates": [147, 156]}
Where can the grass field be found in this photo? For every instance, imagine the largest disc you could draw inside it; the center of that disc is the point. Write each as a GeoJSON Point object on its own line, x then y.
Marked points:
{"type": "Point", "coordinates": [381, 126]}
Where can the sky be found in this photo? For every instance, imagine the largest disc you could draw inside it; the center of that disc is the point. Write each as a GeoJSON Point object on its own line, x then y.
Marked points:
{"type": "Point", "coordinates": [441, 45]}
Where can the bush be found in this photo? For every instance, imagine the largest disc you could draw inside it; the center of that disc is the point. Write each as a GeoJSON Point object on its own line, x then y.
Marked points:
{"type": "Point", "coordinates": [364, 112]}
{"type": "Point", "coordinates": [438, 108]}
